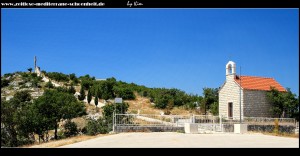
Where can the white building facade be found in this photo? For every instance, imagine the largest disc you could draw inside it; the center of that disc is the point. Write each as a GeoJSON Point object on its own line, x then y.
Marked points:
{"type": "Point", "coordinates": [250, 90]}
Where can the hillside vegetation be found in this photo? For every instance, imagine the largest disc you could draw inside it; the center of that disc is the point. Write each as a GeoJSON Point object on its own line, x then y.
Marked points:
{"type": "Point", "coordinates": [57, 106]}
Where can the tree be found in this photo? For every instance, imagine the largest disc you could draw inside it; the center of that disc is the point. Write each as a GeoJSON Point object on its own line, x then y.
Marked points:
{"type": "Point", "coordinates": [9, 117]}
{"type": "Point", "coordinates": [21, 98]}
{"type": "Point", "coordinates": [284, 104]}
{"type": "Point", "coordinates": [72, 90]}
{"type": "Point", "coordinates": [4, 83]}
{"type": "Point", "coordinates": [58, 76]}
{"type": "Point", "coordinates": [82, 94]}
{"type": "Point", "coordinates": [55, 105]}
{"type": "Point", "coordinates": [9, 137]}
{"type": "Point", "coordinates": [106, 90]}
{"type": "Point", "coordinates": [214, 108]}
{"type": "Point", "coordinates": [210, 96]}
{"type": "Point", "coordinates": [109, 109]}
{"type": "Point", "coordinates": [161, 101]}
{"type": "Point", "coordinates": [291, 104]}
{"type": "Point", "coordinates": [124, 93]}
{"type": "Point", "coordinates": [89, 96]}
{"type": "Point", "coordinates": [96, 100]}
{"type": "Point", "coordinates": [169, 107]}
{"type": "Point", "coordinates": [29, 69]}
{"type": "Point", "coordinates": [31, 121]}
{"type": "Point", "coordinates": [72, 76]}
{"type": "Point", "coordinates": [276, 99]}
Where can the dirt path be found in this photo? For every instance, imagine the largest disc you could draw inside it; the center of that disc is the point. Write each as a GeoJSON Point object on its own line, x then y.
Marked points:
{"type": "Point", "coordinates": [47, 80]}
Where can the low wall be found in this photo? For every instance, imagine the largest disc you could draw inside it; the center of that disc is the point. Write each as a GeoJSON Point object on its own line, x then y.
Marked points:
{"type": "Point", "coordinates": [119, 129]}
{"type": "Point", "coordinates": [270, 128]}
{"type": "Point", "coordinates": [228, 127]}
{"type": "Point", "coordinates": [262, 128]}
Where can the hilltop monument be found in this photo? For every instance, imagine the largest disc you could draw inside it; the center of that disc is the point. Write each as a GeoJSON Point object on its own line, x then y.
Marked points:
{"type": "Point", "coordinates": [36, 68]}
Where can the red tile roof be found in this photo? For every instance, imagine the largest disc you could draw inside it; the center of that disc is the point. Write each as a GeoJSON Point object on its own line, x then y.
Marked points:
{"type": "Point", "coordinates": [258, 83]}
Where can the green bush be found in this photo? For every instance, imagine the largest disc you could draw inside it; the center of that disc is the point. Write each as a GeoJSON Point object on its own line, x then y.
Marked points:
{"type": "Point", "coordinates": [4, 83]}
{"type": "Point", "coordinates": [49, 84]}
{"type": "Point", "coordinates": [58, 76]}
{"type": "Point", "coordinates": [72, 90]}
{"type": "Point", "coordinates": [62, 89]}
{"type": "Point", "coordinates": [61, 135]}
{"type": "Point", "coordinates": [8, 74]}
{"type": "Point", "coordinates": [92, 127]}
{"type": "Point", "coordinates": [70, 129]}
{"type": "Point", "coordinates": [103, 126]}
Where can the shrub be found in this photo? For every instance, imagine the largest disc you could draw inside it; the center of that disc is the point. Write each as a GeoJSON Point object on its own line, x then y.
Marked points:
{"type": "Point", "coordinates": [95, 127]}
{"type": "Point", "coordinates": [70, 129]}
{"type": "Point", "coordinates": [62, 89]}
{"type": "Point", "coordinates": [49, 85]}
{"type": "Point", "coordinates": [58, 76]}
{"type": "Point", "coordinates": [8, 74]}
{"type": "Point", "coordinates": [167, 112]}
{"type": "Point", "coordinates": [33, 75]}
{"type": "Point", "coordinates": [103, 126]}
{"type": "Point", "coordinates": [4, 83]}
{"type": "Point", "coordinates": [61, 135]}
{"type": "Point", "coordinates": [180, 131]}
{"type": "Point", "coordinates": [92, 127]}
{"type": "Point", "coordinates": [72, 90]}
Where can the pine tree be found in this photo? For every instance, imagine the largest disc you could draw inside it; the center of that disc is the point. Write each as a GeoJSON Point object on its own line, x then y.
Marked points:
{"type": "Point", "coordinates": [96, 100]}
{"type": "Point", "coordinates": [29, 69]}
{"type": "Point", "coordinates": [89, 96]}
{"type": "Point", "coordinates": [72, 90]}
{"type": "Point", "coordinates": [82, 94]}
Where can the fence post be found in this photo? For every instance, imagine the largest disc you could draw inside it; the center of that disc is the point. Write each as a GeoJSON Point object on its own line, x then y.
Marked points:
{"type": "Point", "coordinates": [114, 121]}
{"type": "Point", "coordinates": [193, 120]}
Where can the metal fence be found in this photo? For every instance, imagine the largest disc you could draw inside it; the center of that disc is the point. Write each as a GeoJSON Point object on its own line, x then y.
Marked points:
{"type": "Point", "coordinates": [205, 122]}
{"type": "Point", "coordinates": [162, 120]}
{"type": "Point", "coordinates": [148, 120]}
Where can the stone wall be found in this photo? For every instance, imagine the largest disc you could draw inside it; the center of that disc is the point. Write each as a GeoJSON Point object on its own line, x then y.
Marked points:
{"type": "Point", "coordinates": [270, 128]}
{"type": "Point", "coordinates": [228, 127]}
{"type": "Point", "coordinates": [119, 129]}
{"type": "Point", "coordinates": [256, 104]}
{"type": "Point", "coordinates": [262, 128]}
{"type": "Point", "coordinates": [230, 92]}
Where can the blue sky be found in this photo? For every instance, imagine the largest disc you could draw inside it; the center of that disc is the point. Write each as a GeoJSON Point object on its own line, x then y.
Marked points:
{"type": "Point", "coordinates": [181, 48]}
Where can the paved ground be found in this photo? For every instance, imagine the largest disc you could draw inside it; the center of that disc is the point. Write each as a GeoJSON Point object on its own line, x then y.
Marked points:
{"type": "Point", "coordinates": [173, 139]}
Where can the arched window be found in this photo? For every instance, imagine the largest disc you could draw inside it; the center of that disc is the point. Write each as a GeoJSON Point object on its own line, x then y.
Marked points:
{"type": "Point", "coordinates": [229, 69]}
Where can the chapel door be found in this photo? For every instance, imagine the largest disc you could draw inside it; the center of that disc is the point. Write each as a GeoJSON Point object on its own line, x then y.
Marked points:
{"type": "Point", "coordinates": [230, 110]}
